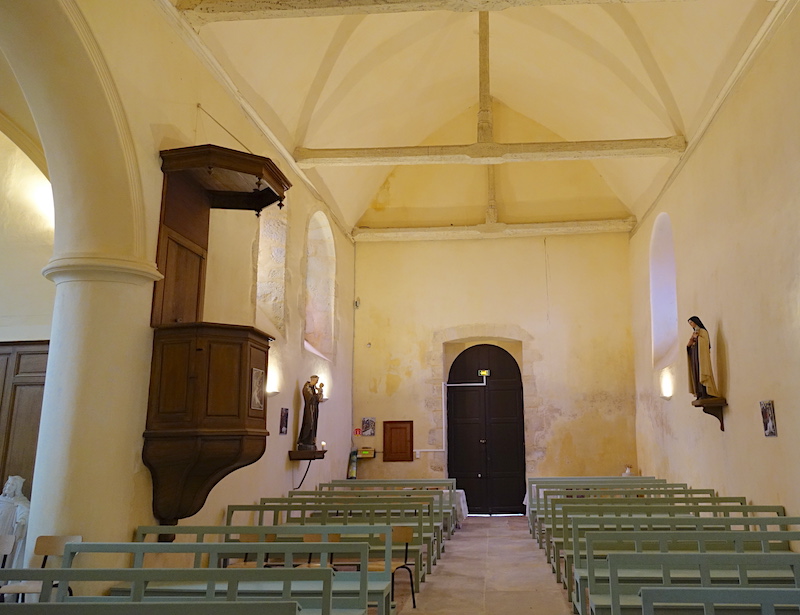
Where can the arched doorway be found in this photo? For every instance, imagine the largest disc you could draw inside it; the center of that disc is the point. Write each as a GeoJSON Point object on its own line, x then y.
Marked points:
{"type": "Point", "coordinates": [485, 430]}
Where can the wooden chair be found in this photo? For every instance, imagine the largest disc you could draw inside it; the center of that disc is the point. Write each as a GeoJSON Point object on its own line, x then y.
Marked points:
{"type": "Point", "coordinates": [45, 547]}
{"type": "Point", "coordinates": [401, 535]}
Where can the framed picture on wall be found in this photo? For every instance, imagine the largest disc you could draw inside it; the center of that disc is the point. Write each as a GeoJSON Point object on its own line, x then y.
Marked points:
{"type": "Point", "coordinates": [284, 427]}
{"type": "Point", "coordinates": [368, 426]}
{"type": "Point", "coordinates": [768, 417]}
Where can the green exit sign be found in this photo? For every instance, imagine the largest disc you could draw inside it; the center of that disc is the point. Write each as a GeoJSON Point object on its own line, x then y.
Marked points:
{"type": "Point", "coordinates": [483, 372]}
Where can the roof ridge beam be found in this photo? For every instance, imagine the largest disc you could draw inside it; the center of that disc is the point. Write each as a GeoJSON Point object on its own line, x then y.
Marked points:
{"type": "Point", "coordinates": [490, 153]}
{"type": "Point", "coordinates": [200, 12]}
{"type": "Point", "coordinates": [494, 231]}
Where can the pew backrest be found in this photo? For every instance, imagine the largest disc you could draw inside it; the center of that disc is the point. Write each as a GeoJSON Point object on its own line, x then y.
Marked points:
{"type": "Point", "coordinates": [764, 599]}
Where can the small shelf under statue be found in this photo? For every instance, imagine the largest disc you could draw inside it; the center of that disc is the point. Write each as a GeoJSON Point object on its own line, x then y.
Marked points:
{"type": "Point", "coordinates": [301, 455]}
{"type": "Point", "coordinates": [712, 406]}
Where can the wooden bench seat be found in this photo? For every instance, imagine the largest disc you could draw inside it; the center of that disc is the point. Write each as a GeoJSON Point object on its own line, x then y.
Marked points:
{"type": "Point", "coordinates": [536, 484]}
{"type": "Point", "coordinates": [581, 526]}
{"type": "Point", "coordinates": [557, 521]}
{"type": "Point", "coordinates": [553, 499]}
{"type": "Point", "coordinates": [445, 485]}
{"type": "Point", "coordinates": [251, 607]}
{"type": "Point", "coordinates": [349, 590]}
{"type": "Point", "coordinates": [600, 544]}
{"type": "Point", "coordinates": [302, 512]}
{"type": "Point", "coordinates": [210, 584]}
{"type": "Point", "coordinates": [377, 536]}
{"type": "Point", "coordinates": [433, 501]}
{"type": "Point", "coordinates": [629, 573]}
{"type": "Point", "coordinates": [719, 600]}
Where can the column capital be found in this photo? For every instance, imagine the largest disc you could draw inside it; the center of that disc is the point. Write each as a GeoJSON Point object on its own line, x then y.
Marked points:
{"type": "Point", "coordinates": [84, 268]}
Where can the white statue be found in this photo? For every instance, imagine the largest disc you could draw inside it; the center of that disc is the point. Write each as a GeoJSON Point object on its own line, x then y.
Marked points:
{"type": "Point", "coordinates": [14, 511]}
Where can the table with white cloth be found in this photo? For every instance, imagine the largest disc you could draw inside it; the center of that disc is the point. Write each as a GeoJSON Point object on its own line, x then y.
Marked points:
{"type": "Point", "coordinates": [462, 512]}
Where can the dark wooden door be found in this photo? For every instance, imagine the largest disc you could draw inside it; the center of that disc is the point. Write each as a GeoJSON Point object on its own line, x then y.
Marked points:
{"type": "Point", "coordinates": [486, 430]}
{"type": "Point", "coordinates": [22, 373]}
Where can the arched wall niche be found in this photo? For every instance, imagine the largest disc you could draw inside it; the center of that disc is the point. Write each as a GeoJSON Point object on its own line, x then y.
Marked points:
{"type": "Point", "coordinates": [663, 294]}
{"type": "Point", "coordinates": [320, 286]}
{"type": "Point", "coordinates": [446, 345]}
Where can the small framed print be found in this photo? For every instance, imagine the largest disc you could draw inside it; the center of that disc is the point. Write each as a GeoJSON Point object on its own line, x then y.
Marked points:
{"type": "Point", "coordinates": [768, 417]}
{"type": "Point", "coordinates": [257, 389]}
{"type": "Point", "coordinates": [284, 427]}
{"type": "Point", "coordinates": [368, 426]}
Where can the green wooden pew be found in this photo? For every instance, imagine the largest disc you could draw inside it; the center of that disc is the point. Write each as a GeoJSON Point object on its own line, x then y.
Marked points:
{"type": "Point", "coordinates": [446, 485]}
{"type": "Point", "coordinates": [713, 600]}
{"type": "Point", "coordinates": [554, 526]}
{"type": "Point", "coordinates": [210, 584]}
{"type": "Point", "coordinates": [629, 573]}
{"type": "Point", "coordinates": [377, 536]}
{"type": "Point", "coordinates": [285, 511]}
{"type": "Point", "coordinates": [626, 510]}
{"type": "Point", "coordinates": [435, 499]}
{"type": "Point", "coordinates": [152, 608]}
{"type": "Point", "coordinates": [536, 483]}
{"type": "Point", "coordinates": [577, 566]}
{"type": "Point", "coordinates": [600, 544]}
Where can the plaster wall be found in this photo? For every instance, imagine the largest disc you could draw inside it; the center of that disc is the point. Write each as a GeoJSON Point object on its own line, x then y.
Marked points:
{"type": "Point", "coordinates": [182, 104]}
{"type": "Point", "coordinates": [170, 99]}
{"type": "Point", "coordinates": [735, 214]}
{"type": "Point", "coordinates": [26, 241]}
{"type": "Point", "coordinates": [560, 305]}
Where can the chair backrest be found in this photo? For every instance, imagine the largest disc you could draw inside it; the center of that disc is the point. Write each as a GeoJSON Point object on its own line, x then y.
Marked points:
{"type": "Point", "coordinates": [402, 534]}
{"type": "Point", "coordinates": [52, 545]}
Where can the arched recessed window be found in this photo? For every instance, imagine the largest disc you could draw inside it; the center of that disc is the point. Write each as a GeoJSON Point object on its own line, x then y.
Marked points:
{"type": "Point", "coordinates": [271, 287]}
{"type": "Point", "coordinates": [320, 285]}
{"type": "Point", "coordinates": [663, 294]}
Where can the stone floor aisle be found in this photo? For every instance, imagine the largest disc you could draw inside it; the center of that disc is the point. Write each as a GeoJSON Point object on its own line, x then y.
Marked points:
{"type": "Point", "coordinates": [492, 565]}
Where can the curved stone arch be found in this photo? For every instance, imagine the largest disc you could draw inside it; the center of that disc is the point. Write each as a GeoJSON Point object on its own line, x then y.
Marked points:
{"type": "Point", "coordinates": [663, 293]}
{"type": "Point", "coordinates": [320, 296]}
{"type": "Point", "coordinates": [100, 218]}
{"type": "Point", "coordinates": [438, 366]}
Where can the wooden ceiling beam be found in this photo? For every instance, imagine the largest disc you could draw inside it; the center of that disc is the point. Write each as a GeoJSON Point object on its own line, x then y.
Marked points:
{"type": "Point", "coordinates": [200, 12]}
{"type": "Point", "coordinates": [490, 153]}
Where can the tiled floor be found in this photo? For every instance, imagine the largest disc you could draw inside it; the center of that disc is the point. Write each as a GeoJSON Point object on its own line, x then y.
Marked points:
{"type": "Point", "coordinates": [492, 565]}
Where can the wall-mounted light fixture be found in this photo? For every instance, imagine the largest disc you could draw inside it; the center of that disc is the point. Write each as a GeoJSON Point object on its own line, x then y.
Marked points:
{"type": "Point", "coordinates": [666, 383]}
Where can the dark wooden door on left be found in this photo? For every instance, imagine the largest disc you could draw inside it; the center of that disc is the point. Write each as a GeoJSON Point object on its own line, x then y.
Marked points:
{"type": "Point", "coordinates": [22, 373]}
{"type": "Point", "coordinates": [485, 430]}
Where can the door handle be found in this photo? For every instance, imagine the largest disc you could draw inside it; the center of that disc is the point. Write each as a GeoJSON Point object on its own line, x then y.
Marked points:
{"type": "Point", "coordinates": [479, 476]}
{"type": "Point", "coordinates": [482, 440]}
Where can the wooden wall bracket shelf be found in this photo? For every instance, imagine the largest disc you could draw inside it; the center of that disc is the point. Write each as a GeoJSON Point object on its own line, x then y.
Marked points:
{"type": "Point", "coordinates": [712, 406]}
{"type": "Point", "coordinates": [301, 455]}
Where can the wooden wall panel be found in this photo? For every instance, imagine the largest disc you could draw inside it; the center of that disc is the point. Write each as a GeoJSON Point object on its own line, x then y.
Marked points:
{"type": "Point", "coordinates": [22, 375]}
{"type": "Point", "coordinates": [398, 440]}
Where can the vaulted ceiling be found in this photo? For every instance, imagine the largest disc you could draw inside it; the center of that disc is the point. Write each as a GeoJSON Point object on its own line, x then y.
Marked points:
{"type": "Point", "coordinates": [430, 116]}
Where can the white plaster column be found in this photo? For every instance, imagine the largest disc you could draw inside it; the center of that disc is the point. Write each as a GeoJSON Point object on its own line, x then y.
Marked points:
{"type": "Point", "coordinates": [89, 477]}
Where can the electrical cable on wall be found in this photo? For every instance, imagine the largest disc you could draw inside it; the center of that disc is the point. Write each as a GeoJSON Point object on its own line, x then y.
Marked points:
{"type": "Point", "coordinates": [308, 467]}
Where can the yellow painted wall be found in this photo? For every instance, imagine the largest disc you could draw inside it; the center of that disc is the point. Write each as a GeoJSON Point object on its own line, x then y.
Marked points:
{"type": "Point", "coordinates": [735, 213]}
{"type": "Point", "coordinates": [26, 244]}
{"type": "Point", "coordinates": [172, 100]}
{"type": "Point", "coordinates": [563, 301]}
